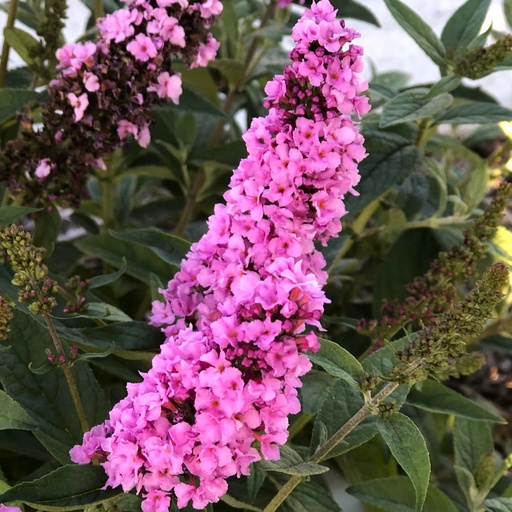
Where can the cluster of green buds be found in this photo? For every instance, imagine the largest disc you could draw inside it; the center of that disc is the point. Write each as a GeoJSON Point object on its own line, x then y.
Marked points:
{"type": "Point", "coordinates": [435, 292]}
{"type": "Point", "coordinates": [440, 350]}
{"type": "Point", "coordinates": [480, 61]}
{"type": "Point", "coordinates": [30, 273]}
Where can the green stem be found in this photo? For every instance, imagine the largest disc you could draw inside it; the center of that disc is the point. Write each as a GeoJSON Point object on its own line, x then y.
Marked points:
{"type": "Point", "coordinates": [107, 183]}
{"type": "Point", "coordinates": [68, 374]}
{"type": "Point", "coordinates": [190, 204]}
{"type": "Point", "coordinates": [99, 10]}
{"type": "Point", "coordinates": [11, 18]}
{"type": "Point", "coordinates": [323, 450]}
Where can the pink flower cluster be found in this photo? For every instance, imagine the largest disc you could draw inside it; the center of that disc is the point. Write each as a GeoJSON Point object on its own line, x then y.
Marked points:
{"type": "Point", "coordinates": [104, 92]}
{"type": "Point", "coordinates": [238, 316]}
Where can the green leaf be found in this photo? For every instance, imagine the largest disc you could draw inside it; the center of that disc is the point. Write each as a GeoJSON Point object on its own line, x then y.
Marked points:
{"type": "Point", "coordinates": [472, 441]}
{"type": "Point", "coordinates": [355, 10]}
{"type": "Point", "coordinates": [10, 214]}
{"type": "Point", "coordinates": [103, 280]}
{"type": "Point", "coordinates": [291, 463]}
{"type": "Point", "coordinates": [498, 505]}
{"type": "Point", "coordinates": [192, 101]}
{"type": "Point", "coordinates": [307, 497]}
{"type": "Point", "coordinates": [231, 69]}
{"type": "Point", "coordinates": [338, 362]}
{"type": "Point", "coordinates": [128, 337]}
{"type": "Point", "coordinates": [315, 389]}
{"type": "Point", "coordinates": [465, 24]}
{"type": "Point", "coordinates": [151, 171]}
{"type": "Point", "coordinates": [391, 159]}
{"type": "Point", "coordinates": [408, 446]}
{"type": "Point", "coordinates": [413, 105]}
{"type": "Point", "coordinates": [142, 261]}
{"type": "Point", "coordinates": [446, 84]}
{"type": "Point", "coordinates": [342, 402]}
{"type": "Point", "coordinates": [172, 249]}
{"type": "Point", "coordinates": [22, 43]}
{"type": "Point", "coordinates": [475, 113]}
{"type": "Point", "coordinates": [47, 229]}
{"type": "Point", "coordinates": [435, 397]}
{"type": "Point", "coordinates": [418, 30]}
{"type": "Point", "coordinates": [46, 398]}
{"type": "Point", "coordinates": [255, 481]}
{"type": "Point", "coordinates": [70, 487]}
{"type": "Point", "coordinates": [397, 494]}
{"type": "Point", "coordinates": [13, 415]}
{"type": "Point", "coordinates": [13, 100]}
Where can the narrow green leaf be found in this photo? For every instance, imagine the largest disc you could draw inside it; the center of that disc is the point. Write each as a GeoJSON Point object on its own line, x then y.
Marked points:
{"type": "Point", "coordinates": [103, 280]}
{"type": "Point", "coordinates": [22, 43]}
{"type": "Point", "coordinates": [413, 105]}
{"type": "Point", "coordinates": [12, 100]}
{"type": "Point", "coordinates": [291, 463]}
{"type": "Point", "coordinates": [465, 24]}
{"type": "Point", "coordinates": [446, 84]}
{"type": "Point", "coordinates": [397, 494]}
{"type": "Point", "coordinates": [70, 487]}
{"type": "Point", "coordinates": [10, 214]}
{"type": "Point", "coordinates": [476, 112]}
{"type": "Point", "coordinates": [435, 397]}
{"type": "Point", "coordinates": [172, 249]}
{"type": "Point", "coordinates": [408, 446]}
{"type": "Point", "coordinates": [418, 30]}
{"type": "Point", "coordinates": [254, 481]}
{"type": "Point", "coordinates": [338, 362]}
{"type": "Point", "coordinates": [13, 415]}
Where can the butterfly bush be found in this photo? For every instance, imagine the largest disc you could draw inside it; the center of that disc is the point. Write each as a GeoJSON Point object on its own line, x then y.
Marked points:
{"type": "Point", "coordinates": [103, 93]}
{"type": "Point", "coordinates": [239, 315]}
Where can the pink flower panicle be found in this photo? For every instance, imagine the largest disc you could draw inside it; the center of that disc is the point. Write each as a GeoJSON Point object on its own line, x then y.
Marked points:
{"type": "Point", "coordinates": [238, 316]}
{"type": "Point", "coordinates": [102, 96]}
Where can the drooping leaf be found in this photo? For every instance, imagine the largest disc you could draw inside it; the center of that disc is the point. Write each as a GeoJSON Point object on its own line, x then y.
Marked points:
{"type": "Point", "coordinates": [69, 487]}
{"type": "Point", "coordinates": [408, 446]}
{"type": "Point", "coordinates": [315, 389]}
{"type": "Point", "coordinates": [418, 30]}
{"type": "Point", "coordinates": [355, 10]}
{"type": "Point", "coordinates": [47, 230]}
{"type": "Point", "coordinates": [498, 505]}
{"type": "Point", "coordinates": [397, 494]}
{"type": "Point", "coordinates": [436, 397]}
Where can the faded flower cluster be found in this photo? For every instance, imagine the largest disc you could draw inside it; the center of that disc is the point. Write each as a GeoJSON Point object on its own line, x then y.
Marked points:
{"type": "Point", "coordinates": [104, 91]}
{"type": "Point", "coordinates": [239, 314]}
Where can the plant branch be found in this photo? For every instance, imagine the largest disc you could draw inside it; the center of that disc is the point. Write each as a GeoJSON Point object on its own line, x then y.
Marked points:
{"type": "Point", "coordinates": [191, 202]}
{"type": "Point", "coordinates": [11, 18]}
{"type": "Point", "coordinates": [68, 374]}
{"type": "Point", "coordinates": [323, 450]}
